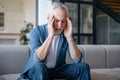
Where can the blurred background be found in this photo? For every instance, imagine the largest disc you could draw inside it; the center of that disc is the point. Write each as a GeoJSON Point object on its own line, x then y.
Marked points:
{"type": "Point", "coordinates": [94, 21]}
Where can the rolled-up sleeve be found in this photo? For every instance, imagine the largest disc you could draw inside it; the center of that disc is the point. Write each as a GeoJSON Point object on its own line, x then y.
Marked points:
{"type": "Point", "coordinates": [78, 60]}
{"type": "Point", "coordinates": [35, 58]}
{"type": "Point", "coordinates": [35, 43]}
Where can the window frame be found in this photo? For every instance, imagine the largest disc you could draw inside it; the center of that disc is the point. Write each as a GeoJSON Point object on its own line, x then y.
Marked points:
{"type": "Point", "coordinates": [2, 20]}
{"type": "Point", "coordinates": [79, 34]}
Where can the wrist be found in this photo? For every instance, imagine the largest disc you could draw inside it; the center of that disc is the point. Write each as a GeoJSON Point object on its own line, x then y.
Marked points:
{"type": "Point", "coordinates": [69, 38]}
{"type": "Point", "coordinates": [50, 36]}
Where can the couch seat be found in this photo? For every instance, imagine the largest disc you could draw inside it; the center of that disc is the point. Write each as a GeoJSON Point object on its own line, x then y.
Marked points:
{"type": "Point", "coordinates": [105, 74]}
{"type": "Point", "coordinates": [9, 76]}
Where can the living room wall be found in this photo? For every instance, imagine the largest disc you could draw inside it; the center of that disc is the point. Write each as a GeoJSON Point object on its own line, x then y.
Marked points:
{"type": "Point", "coordinates": [17, 14]}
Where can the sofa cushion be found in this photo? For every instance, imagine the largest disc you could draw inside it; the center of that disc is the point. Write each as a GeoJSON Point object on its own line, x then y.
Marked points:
{"type": "Point", "coordinates": [106, 74]}
{"type": "Point", "coordinates": [103, 76]}
{"type": "Point", "coordinates": [9, 76]}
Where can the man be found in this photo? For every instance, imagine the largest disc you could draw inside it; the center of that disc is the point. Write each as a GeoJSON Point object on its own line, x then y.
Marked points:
{"type": "Point", "coordinates": [49, 44]}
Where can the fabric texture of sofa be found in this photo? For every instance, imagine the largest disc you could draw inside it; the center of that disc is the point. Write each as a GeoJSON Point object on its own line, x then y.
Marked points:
{"type": "Point", "coordinates": [104, 61]}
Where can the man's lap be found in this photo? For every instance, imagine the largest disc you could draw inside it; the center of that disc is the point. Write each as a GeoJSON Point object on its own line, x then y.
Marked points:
{"type": "Point", "coordinates": [67, 71]}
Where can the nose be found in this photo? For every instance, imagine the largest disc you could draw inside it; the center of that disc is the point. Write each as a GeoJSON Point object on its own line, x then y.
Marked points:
{"type": "Point", "coordinates": [59, 24]}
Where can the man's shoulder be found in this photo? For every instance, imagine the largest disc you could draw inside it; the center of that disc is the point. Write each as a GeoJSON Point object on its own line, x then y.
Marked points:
{"type": "Point", "coordinates": [44, 26]}
{"type": "Point", "coordinates": [40, 28]}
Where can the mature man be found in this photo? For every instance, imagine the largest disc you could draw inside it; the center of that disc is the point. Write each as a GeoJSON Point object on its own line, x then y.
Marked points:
{"type": "Point", "coordinates": [49, 44]}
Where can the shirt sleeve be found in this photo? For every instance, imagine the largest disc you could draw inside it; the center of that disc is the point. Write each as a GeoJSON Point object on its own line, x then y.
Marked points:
{"type": "Point", "coordinates": [35, 58]}
{"type": "Point", "coordinates": [78, 60]}
{"type": "Point", "coordinates": [35, 43]}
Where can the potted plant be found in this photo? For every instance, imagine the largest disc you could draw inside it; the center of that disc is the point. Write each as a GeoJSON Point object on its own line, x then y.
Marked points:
{"type": "Point", "coordinates": [24, 37]}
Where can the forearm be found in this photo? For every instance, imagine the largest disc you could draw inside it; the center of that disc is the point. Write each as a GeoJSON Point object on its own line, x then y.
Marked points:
{"type": "Point", "coordinates": [43, 50]}
{"type": "Point", "coordinates": [74, 50]}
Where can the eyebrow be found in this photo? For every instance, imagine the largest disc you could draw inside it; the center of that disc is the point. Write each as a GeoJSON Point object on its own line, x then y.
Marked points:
{"type": "Point", "coordinates": [60, 19]}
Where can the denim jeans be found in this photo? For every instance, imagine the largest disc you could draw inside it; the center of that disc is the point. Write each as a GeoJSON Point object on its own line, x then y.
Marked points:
{"type": "Point", "coordinates": [78, 71]}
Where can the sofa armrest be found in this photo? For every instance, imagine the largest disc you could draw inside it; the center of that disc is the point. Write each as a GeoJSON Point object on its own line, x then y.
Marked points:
{"type": "Point", "coordinates": [13, 58]}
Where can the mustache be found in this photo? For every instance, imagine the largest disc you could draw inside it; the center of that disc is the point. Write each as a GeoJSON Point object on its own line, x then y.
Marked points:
{"type": "Point", "coordinates": [58, 31]}
{"type": "Point", "coordinates": [56, 28]}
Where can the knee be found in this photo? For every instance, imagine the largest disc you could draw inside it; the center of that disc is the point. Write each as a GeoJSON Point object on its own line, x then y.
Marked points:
{"type": "Point", "coordinates": [83, 68]}
{"type": "Point", "coordinates": [38, 71]}
{"type": "Point", "coordinates": [84, 65]}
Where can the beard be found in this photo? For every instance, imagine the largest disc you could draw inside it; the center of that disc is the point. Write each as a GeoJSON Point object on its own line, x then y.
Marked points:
{"type": "Point", "coordinates": [58, 31]}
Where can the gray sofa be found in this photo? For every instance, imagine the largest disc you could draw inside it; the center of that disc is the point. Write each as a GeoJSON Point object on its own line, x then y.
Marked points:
{"type": "Point", "coordinates": [104, 61]}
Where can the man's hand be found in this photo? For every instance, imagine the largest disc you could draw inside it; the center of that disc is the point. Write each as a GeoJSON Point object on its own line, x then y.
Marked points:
{"type": "Point", "coordinates": [51, 30]}
{"type": "Point", "coordinates": [68, 29]}
{"type": "Point", "coordinates": [51, 26]}
{"type": "Point", "coordinates": [74, 50]}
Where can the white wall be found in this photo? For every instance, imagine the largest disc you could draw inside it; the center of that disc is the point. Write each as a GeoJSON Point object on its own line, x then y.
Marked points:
{"type": "Point", "coordinates": [43, 11]}
{"type": "Point", "coordinates": [29, 10]}
{"type": "Point", "coordinates": [16, 13]}
{"type": "Point", "coordinates": [14, 16]}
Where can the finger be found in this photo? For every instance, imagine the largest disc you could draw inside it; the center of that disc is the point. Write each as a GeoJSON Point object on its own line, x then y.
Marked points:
{"type": "Point", "coordinates": [50, 18]}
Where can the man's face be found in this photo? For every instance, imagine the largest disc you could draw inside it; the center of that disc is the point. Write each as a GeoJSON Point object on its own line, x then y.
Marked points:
{"type": "Point", "coordinates": [60, 19]}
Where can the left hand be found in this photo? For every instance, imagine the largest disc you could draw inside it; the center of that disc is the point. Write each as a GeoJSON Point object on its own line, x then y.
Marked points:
{"type": "Point", "coordinates": [68, 29]}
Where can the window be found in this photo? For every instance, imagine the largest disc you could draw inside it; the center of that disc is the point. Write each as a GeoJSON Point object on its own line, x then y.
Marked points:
{"type": "Point", "coordinates": [1, 20]}
{"type": "Point", "coordinates": [81, 16]}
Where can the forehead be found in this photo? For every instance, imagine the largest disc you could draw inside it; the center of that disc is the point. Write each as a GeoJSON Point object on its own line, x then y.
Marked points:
{"type": "Point", "coordinates": [60, 13]}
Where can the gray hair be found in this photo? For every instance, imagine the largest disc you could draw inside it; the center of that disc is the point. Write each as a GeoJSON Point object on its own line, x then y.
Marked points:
{"type": "Point", "coordinates": [60, 6]}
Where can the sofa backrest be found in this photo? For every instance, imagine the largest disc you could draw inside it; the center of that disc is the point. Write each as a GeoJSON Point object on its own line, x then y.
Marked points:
{"type": "Point", "coordinates": [13, 58]}
{"type": "Point", "coordinates": [101, 56]}
{"type": "Point", "coordinates": [95, 56]}
{"type": "Point", "coordinates": [113, 55]}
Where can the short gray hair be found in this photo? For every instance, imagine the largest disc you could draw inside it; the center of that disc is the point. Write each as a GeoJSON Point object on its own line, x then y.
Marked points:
{"type": "Point", "coordinates": [60, 6]}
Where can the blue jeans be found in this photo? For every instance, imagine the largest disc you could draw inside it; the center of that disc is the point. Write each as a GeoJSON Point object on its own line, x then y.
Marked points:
{"type": "Point", "coordinates": [78, 71]}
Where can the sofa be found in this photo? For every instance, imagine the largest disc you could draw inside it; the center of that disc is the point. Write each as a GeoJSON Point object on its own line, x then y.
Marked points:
{"type": "Point", "coordinates": [104, 61]}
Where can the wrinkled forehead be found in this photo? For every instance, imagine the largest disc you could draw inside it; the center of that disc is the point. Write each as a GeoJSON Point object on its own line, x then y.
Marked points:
{"type": "Point", "coordinates": [59, 10]}
{"type": "Point", "coordinates": [59, 13]}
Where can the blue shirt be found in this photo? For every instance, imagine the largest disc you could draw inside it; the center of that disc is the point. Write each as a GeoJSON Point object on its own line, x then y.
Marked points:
{"type": "Point", "coordinates": [37, 36]}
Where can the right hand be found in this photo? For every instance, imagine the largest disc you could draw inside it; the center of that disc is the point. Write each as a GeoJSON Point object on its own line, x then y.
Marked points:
{"type": "Point", "coordinates": [50, 25]}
